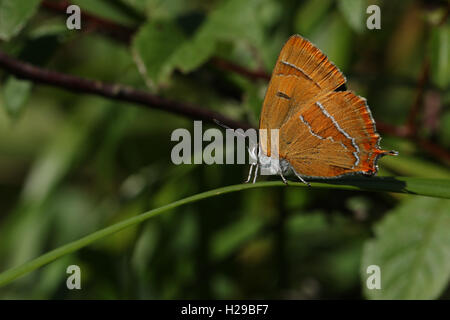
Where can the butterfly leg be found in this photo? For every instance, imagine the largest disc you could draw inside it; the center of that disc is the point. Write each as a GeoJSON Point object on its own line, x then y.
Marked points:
{"type": "Point", "coordinates": [301, 179]}
{"type": "Point", "coordinates": [256, 173]}
{"type": "Point", "coordinates": [283, 178]}
{"type": "Point", "coordinates": [249, 173]}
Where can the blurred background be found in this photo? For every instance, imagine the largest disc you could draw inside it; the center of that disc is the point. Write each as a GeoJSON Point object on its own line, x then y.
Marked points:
{"type": "Point", "coordinates": [73, 163]}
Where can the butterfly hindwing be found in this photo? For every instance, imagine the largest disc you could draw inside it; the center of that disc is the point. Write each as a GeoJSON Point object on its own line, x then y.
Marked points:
{"type": "Point", "coordinates": [332, 136]}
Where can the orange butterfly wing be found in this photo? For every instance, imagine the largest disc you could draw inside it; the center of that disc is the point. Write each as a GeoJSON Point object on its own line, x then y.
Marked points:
{"type": "Point", "coordinates": [332, 137]}
{"type": "Point", "coordinates": [322, 133]}
{"type": "Point", "coordinates": [302, 73]}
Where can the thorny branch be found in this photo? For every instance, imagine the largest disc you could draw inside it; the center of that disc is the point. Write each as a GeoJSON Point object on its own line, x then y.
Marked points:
{"type": "Point", "coordinates": [115, 91]}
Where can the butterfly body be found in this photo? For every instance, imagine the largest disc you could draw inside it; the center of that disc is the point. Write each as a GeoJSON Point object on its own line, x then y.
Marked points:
{"type": "Point", "coordinates": [272, 165]}
{"type": "Point", "coordinates": [320, 132]}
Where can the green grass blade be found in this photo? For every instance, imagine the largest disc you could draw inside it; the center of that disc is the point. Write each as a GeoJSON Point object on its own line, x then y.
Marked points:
{"type": "Point", "coordinates": [419, 186]}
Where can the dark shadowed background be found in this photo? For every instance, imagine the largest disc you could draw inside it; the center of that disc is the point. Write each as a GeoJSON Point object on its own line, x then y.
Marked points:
{"type": "Point", "coordinates": [73, 163]}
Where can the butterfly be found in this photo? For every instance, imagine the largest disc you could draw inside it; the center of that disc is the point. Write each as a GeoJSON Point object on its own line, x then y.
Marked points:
{"type": "Point", "coordinates": [321, 131]}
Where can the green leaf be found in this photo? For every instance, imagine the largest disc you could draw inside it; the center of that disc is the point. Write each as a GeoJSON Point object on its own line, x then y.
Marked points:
{"type": "Point", "coordinates": [161, 46]}
{"type": "Point", "coordinates": [412, 249]}
{"type": "Point", "coordinates": [157, 9]}
{"type": "Point", "coordinates": [195, 52]}
{"type": "Point", "coordinates": [432, 187]}
{"type": "Point", "coordinates": [155, 44]}
{"type": "Point", "coordinates": [13, 16]}
{"type": "Point", "coordinates": [310, 14]}
{"type": "Point", "coordinates": [111, 10]}
{"type": "Point", "coordinates": [15, 95]}
{"type": "Point", "coordinates": [245, 24]}
{"type": "Point", "coordinates": [353, 12]}
{"type": "Point", "coordinates": [440, 56]}
{"type": "Point", "coordinates": [50, 27]}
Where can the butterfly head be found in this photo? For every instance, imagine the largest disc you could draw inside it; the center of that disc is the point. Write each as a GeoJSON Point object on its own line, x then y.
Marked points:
{"type": "Point", "coordinates": [267, 165]}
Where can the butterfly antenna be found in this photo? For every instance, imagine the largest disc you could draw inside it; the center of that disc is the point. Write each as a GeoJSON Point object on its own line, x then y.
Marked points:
{"type": "Point", "coordinates": [221, 124]}
{"type": "Point", "coordinates": [227, 127]}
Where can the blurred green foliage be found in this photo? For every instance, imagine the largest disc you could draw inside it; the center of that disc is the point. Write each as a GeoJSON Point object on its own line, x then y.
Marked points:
{"type": "Point", "coordinates": [71, 164]}
{"type": "Point", "coordinates": [13, 15]}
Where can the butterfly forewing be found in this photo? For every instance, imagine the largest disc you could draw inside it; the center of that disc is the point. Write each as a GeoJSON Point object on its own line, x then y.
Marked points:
{"type": "Point", "coordinates": [301, 74]}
